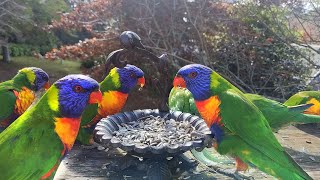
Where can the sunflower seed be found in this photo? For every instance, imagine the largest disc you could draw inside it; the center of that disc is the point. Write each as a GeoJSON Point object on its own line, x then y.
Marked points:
{"type": "Point", "coordinates": [156, 131]}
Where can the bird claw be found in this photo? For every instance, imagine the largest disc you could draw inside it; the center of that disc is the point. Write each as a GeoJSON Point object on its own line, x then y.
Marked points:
{"type": "Point", "coordinates": [240, 176]}
{"type": "Point", "coordinates": [229, 173]}
{"type": "Point", "coordinates": [93, 146]}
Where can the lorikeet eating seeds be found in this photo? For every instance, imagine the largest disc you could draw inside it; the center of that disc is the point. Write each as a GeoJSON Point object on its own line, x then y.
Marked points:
{"type": "Point", "coordinates": [239, 127]}
{"type": "Point", "coordinates": [18, 93]}
{"type": "Point", "coordinates": [33, 146]}
{"type": "Point", "coordinates": [115, 89]}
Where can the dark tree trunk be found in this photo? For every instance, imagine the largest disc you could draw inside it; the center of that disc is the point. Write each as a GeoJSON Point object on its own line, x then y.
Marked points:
{"type": "Point", "coordinates": [5, 53]}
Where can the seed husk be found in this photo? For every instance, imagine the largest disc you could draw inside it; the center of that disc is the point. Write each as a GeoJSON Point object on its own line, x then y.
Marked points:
{"type": "Point", "coordinates": [157, 132]}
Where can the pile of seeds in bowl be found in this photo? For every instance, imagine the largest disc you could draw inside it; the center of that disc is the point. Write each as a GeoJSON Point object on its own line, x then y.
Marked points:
{"type": "Point", "coordinates": [156, 131]}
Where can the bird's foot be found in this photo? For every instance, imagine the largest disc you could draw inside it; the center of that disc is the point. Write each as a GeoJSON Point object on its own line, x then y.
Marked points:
{"type": "Point", "coordinates": [93, 146]}
{"type": "Point", "coordinates": [229, 173]}
{"type": "Point", "coordinates": [240, 165]}
{"type": "Point", "coordinates": [239, 176]}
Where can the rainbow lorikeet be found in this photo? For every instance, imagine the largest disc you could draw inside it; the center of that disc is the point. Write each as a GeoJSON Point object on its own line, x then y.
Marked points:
{"type": "Point", "coordinates": [238, 126]}
{"type": "Point", "coordinates": [306, 97]}
{"type": "Point", "coordinates": [18, 93]}
{"type": "Point", "coordinates": [115, 89]}
{"type": "Point", "coordinates": [277, 114]}
{"type": "Point", "coordinates": [32, 146]}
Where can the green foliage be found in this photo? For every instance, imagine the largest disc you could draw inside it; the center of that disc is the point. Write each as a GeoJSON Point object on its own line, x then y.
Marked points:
{"type": "Point", "coordinates": [250, 52]}
{"type": "Point", "coordinates": [28, 49]}
{"type": "Point", "coordinates": [30, 35]}
{"type": "Point", "coordinates": [42, 11]}
{"type": "Point", "coordinates": [87, 64]}
{"type": "Point", "coordinates": [22, 49]}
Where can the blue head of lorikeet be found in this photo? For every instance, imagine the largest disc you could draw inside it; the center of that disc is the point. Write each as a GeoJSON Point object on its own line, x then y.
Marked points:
{"type": "Point", "coordinates": [37, 77]}
{"type": "Point", "coordinates": [196, 78]}
{"type": "Point", "coordinates": [75, 92]}
{"type": "Point", "coordinates": [129, 76]}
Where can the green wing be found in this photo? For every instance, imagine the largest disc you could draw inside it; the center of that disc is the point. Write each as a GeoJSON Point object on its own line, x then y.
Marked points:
{"type": "Point", "coordinates": [180, 99]}
{"type": "Point", "coordinates": [243, 118]}
{"type": "Point", "coordinates": [276, 114]}
{"type": "Point", "coordinates": [8, 101]}
{"type": "Point", "coordinates": [302, 98]}
{"type": "Point", "coordinates": [85, 134]}
{"type": "Point", "coordinates": [89, 113]}
{"type": "Point", "coordinates": [29, 147]}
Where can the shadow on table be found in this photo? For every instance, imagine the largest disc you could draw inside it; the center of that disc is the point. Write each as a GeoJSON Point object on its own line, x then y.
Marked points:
{"type": "Point", "coordinates": [313, 129]}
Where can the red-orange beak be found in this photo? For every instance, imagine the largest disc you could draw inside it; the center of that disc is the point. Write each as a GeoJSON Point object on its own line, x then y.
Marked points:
{"type": "Point", "coordinates": [46, 86]}
{"type": "Point", "coordinates": [179, 82]}
{"type": "Point", "coordinates": [95, 97]}
{"type": "Point", "coordinates": [141, 82]}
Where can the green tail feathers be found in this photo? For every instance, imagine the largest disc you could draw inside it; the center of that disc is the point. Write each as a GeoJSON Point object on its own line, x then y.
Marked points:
{"type": "Point", "coordinates": [299, 108]}
{"type": "Point", "coordinates": [303, 118]}
{"type": "Point", "coordinates": [307, 118]}
{"type": "Point", "coordinates": [210, 157]}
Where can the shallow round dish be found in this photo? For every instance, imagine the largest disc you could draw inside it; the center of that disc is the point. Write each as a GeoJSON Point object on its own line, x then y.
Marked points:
{"type": "Point", "coordinates": [103, 132]}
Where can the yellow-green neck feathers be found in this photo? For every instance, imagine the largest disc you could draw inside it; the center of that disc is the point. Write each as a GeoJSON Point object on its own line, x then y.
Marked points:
{"type": "Point", "coordinates": [53, 98]}
{"type": "Point", "coordinates": [29, 74]}
{"type": "Point", "coordinates": [111, 82]}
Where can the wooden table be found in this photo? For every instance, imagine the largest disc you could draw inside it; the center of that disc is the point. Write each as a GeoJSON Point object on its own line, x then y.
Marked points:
{"type": "Point", "coordinates": [303, 143]}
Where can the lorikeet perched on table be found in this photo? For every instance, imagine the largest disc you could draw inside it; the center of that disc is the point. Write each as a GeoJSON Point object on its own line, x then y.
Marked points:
{"type": "Point", "coordinates": [238, 126]}
{"type": "Point", "coordinates": [277, 115]}
{"type": "Point", "coordinates": [306, 97]}
{"type": "Point", "coordinates": [33, 146]}
{"type": "Point", "coordinates": [115, 89]}
{"type": "Point", "coordinates": [18, 93]}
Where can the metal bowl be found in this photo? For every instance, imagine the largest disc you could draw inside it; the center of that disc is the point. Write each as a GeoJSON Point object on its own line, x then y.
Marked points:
{"type": "Point", "coordinates": [103, 132]}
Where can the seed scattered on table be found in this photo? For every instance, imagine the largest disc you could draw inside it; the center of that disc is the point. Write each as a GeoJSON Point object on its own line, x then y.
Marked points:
{"type": "Point", "coordinates": [156, 131]}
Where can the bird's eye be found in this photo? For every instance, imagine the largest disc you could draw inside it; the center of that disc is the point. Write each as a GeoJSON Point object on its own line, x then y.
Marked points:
{"type": "Point", "coordinates": [192, 74]}
{"type": "Point", "coordinates": [133, 75]}
{"type": "Point", "coordinates": [78, 89]}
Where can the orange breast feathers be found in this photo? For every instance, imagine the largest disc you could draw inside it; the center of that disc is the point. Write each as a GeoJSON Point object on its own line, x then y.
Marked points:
{"type": "Point", "coordinates": [67, 130]}
{"type": "Point", "coordinates": [24, 99]}
{"type": "Point", "coordinates": [112, 103]}
{"type": "Point", "coordinates": [315, 109]}
{"type": "Point", "coordinates": [209, 110]}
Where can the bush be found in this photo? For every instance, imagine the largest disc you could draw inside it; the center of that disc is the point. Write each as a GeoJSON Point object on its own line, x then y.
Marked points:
{"type": "Point", "coordinates": [87, 64]}
{"type": "Point", "coordinates": [23, 49]}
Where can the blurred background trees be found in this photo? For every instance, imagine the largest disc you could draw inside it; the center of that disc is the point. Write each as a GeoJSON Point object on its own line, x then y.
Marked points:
{"type": "Point", "coordinates": [268, 47]}
{"type": "Point", "coordinates": [23, 23]}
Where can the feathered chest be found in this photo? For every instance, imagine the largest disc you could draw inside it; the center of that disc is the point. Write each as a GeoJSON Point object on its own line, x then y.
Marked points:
{"type": "Point", "coordinates": [209, 110]}
{"type": "Point", "coordinates": [67, 130]}
{"type": "Point", "coordinates": [24, 99]}
{"type": "Point", "coordinates": [112, 103]}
